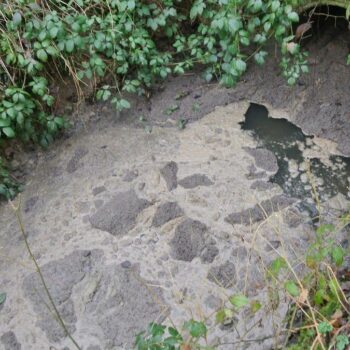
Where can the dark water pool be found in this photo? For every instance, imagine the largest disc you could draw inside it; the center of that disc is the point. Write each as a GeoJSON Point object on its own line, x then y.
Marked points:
{"type": "Point", "coordinates": [289, 144]}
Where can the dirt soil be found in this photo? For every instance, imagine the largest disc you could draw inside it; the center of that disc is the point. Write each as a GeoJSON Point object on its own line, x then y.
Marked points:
{"type": "Point", "coordinates": [135, 220]}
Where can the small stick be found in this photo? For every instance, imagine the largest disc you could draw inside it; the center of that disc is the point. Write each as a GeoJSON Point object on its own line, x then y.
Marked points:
{"type": "Point", "coordinates": [38, 270]}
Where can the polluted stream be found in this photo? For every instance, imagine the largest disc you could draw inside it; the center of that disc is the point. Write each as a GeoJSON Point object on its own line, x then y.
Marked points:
{"type": "Point", "coordinates": [299, 175]}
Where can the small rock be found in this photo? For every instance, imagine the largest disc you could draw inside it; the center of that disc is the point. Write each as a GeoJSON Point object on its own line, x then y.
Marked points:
{"type": "Point", "coordinates": [213, 302]}
{"type": "Point", "coordinates": [165, 213]}
{"type": "Point", "coordinates": [209, 253]}
{"type": "Point", "coordinates": [264, 159]}
{"type": "Point", "coordinates": [73, 164]}
{"type": "Point", "coordinates": [195, 180]}
{"type": "Point", "coordinates": [273, 245]}
{"type": "Point", "coordinates": [130, 175]}
{"type": "Point", "coordinates": [98, 203]}
{"type": "Point", "coordinates": [240, 252]}
{"type": "Point", "coordinates": [10, 341]}
{"type": "Point", "coordinates": [126, 264]}
{"type": "Point", "coordinates": [189, 242]}
{"type": "Point", "coordinates": [30, 203]}
{"type": "Point", "coordinates": [98, 190]}
{"type": "Point", "coordinates": [169, 173]}
{"type": "Point", "coordinates": [223, 275]}
{"type": "Point", "coordinates": [260, 211]}
{"type": "Point", "coordinates": [141, 186]}
{"type": "Point", "coordinates": [118, 216]}
{"type": "Point", "coordinates": [262, 185]}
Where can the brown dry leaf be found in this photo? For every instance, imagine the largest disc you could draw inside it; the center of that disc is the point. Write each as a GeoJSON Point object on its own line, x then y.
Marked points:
{"type": "Point", "coordinates": [302, 28]}
{"type": "Point", "coordinates": [186, 347]}
{"type": "Point", "coordinates": [303, 296]}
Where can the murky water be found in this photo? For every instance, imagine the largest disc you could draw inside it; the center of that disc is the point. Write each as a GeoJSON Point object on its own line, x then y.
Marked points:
{"type": "Point", "coordinates": [297, 174]}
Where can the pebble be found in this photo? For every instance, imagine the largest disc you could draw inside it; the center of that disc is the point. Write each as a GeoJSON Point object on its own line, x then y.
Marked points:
{"type": "Point", "coordinates": [126, 264]}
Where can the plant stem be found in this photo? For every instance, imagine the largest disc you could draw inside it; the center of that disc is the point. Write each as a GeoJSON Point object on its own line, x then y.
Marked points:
{"type": "Point", "coordinates": [38, 270]}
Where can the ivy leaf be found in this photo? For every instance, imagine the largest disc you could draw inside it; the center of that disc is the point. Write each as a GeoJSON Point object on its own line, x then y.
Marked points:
{"type": "Point", "coordinates": [293, 16]}
{"type": "Point", "coordinates": [197, 9]}
{"type": "Point", "coordinates": [239, 301]}
{"type": "Point", "coordinates": [234, 24]}
{"type": "Point", "coordinates": [42, 55]}
{"type": "Point", "coordinates": [292, 288]}
{"type": "Point", "coordinates": [125, 104]}
{"type": "Point", "coordinates": [255, 5]}
{"type": "Point", "coordinates": [131, 4]}
{"type": "Point", "coordinates": [9, 132]}
{"type": "Point", "coordinates": [53, 32]}
{"type": "Point", "coordinates": [4, 122]}
{"type": "Point", "coordinates": [260, 57]}
{"type": "Point", "coordinates": [17, 18]}
{"type": "Point", "coordinates": [196, 329]}
{"type": "Point", "coordinates": [69, 45]}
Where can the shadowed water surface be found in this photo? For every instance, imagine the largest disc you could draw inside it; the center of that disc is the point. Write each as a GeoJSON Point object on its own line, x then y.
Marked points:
{"type": "Point", "coordinates": [288, 143]}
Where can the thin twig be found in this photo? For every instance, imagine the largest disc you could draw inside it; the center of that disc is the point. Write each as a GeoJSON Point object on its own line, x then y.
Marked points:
{"type": "Point", "coordinates": [38, 270]}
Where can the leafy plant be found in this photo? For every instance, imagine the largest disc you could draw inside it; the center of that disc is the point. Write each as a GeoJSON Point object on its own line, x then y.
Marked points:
{"type": "Point", "coordinates": [318, 292]}
{"type": "Point", "coordinates": [160, 337]}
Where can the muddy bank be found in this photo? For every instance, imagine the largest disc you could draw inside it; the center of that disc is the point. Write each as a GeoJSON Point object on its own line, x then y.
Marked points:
{"type": "Point", "coordinates": [136, 220]}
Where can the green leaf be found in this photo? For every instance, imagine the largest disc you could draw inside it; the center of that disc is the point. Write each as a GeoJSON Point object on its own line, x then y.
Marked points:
{"type": "Point", "coordinates": [4, 122]}
{"type": "Point", "coordinates": [333, 286]}
{"type": "Point", "coordinates": [239, 300]}
{"type": "Point", "coordinates": [244, 40]}
{"type": "Point", "coordinates": [293, 16]}
{"type": "Point", "coordinates": [241, 65]}
{"type": "Point", "coordinates": [338, 255]}
{"type": "Point", "coordinates": [51, 51]}
{"type": "Point", "coordinates": [292, 288]}
{"type": "Point", "coordinates": [325, 228]}
{"type": "Point", "coordinates": [324, 327]}
{"type": "Point", "coordinates": [53, 32]}
{"type": "Point", "coordinates": [42, 55]}
{"type": "Point", "coordinates": [320, 296]}
{"type": "Point", "coordinates": [156, 329]}
{"type": "Point", "coordinates": [342, 341]}
{"type": "Point", "coordinates": [348, 60]}
{"type": "Point", "coordinates": [125, 104]}
{"type": "Point", "coordinates": [235, 24]}
{"type": "Point", "coordinates": [69, 45]}
{"type": "Point", "coordinates": [255, 5]}
{"type": "Point", "coordinates": [275, 5]}
{"type": "Point", "coordinates": [277, 265]}
{"type": "Point", "coordinates": [197, 9]}
{"type": "Point", "coordinates": [255, 306]}
{"type": "Point", "coordinates": [2, 297]}
{"type": "Point", "coordinates": [291, 81]}
{"type": "Point", "coordinates": [17, 18]}
{"type": "Point", "coordinates": [223, 315]}
{"type": "Point", "coordinates": [131, 4]}
{"type": "Point", "coordinates": [9, 132]}
{"type": "Point", "coordinates": [196, 329]}
{"type": "Point", "coordinates": [260, 57]}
